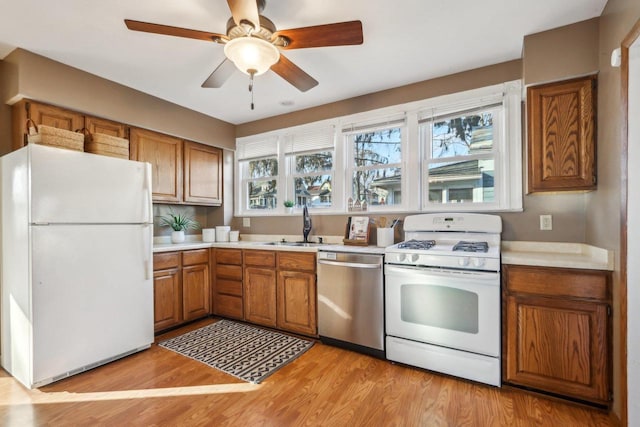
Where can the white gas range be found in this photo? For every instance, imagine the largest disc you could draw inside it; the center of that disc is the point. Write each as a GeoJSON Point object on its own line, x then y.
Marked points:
{"type": "Point", "coordinates": [443, 295]}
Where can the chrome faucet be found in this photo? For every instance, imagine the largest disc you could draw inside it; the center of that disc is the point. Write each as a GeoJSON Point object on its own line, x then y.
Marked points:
{"type": "Point", "coordinates": [306, 224]}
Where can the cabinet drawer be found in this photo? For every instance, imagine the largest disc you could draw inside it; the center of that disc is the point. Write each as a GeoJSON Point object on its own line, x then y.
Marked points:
{"type": "Point", "coordinates": [229, 287]}
{"type": "Point", "coordinates": [230, 272]}
{"type": "Point", "coordinates": [297, 261]}
{"type": "Point", "coordinates": [166, 260]}
{"type": "Point", "coordinates": [228, 306]}
{"type": "Point", "coordinates": [229, 256]}
{"type": "Point", "coordinates": [199, 256]}
{"type": "Point", "coordinates": [260, 258]}
{"type": "Point", "coordinates": [558, 282]}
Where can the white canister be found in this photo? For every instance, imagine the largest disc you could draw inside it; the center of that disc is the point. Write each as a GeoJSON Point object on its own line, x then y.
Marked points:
{"type": "Point", "coordinates": [234, 235]}
{"type": "Point", "coordinates": [222, 233]}
{"type": "Point", "coordinates": [208, 234]}
{"type": "Point", "coordinates": [385, 237]}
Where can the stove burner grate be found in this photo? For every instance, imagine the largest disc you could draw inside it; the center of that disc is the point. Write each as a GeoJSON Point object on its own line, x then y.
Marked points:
{"type": "Point", "coordinates": [417, 244]}
{"type": "Point", "coordinates": [471, 246]}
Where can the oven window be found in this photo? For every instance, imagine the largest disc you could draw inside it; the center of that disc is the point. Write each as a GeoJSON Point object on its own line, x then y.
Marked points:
{"type": "Point", "coordinates": [440, 307]}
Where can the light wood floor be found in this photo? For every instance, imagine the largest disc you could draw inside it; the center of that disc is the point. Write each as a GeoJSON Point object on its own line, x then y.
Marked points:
{"type": "Point", "coordinates": [326, 386]}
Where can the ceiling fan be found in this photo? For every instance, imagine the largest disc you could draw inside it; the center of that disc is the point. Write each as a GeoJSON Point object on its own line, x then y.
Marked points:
{"type": "Point", "coordinates": [253, 44]}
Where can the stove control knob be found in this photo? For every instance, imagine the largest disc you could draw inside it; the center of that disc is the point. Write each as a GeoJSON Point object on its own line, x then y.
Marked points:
{"type": "Point", "coordinates": [414, 258]}
{"type": "Point", "coordinates": [478, 262]}
{"type": "Point", "coordinates": [401, 257]}
{"type": "Point", "coordinates": [463, 262]}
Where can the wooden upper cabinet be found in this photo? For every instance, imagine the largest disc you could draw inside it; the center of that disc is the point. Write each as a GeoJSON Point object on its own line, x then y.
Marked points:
{"type": "Point", "coordinates": [165, 155]}
{"type": "Point", "coordinates": [202, 174]}
{"type": "Point", "coordinates": [106, 127]}
{"type": "Point", "coordinates": [562, 135]}
{"type": "Point", "coordinates": [41, 114]}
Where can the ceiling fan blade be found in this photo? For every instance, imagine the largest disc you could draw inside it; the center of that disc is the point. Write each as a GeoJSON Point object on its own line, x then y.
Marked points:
{"type": "Point", "coordinates": [147, 27]}
{"type": "Point", "coordinates": [294, 74]}
{"type": "Point", "coordinates": [338, 34]}
{"type": "Point", "coordinates": [245, 10]}
{"type": "Point", "coordinates": [220, 75]}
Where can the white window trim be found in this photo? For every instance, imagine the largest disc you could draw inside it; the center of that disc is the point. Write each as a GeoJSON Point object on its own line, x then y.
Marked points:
{"type": "Point", "coordinates": [412, 154]}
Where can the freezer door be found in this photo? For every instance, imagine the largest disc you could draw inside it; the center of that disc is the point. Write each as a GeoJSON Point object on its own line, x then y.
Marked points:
{"type": "Point", "coordinates": [74, 187]}
{"type": "Point", "coordinates": [92, 290]}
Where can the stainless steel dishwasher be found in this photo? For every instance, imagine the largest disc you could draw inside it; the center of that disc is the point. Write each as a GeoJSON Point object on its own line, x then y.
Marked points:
{"type": "Point", "coordinates": [351, 301]}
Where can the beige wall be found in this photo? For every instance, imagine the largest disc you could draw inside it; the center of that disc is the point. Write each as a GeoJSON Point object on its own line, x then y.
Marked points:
{"type": "Point", "coordinates": [568, 210]}
{"type": "Point", "coordinates": [43, 79]}
{"type": "Point", "coordinates": [603, 206]}
{"type": "Point", "coordinates": [560, 53]}
{"type": "Point", "coordinates": [5, 111]}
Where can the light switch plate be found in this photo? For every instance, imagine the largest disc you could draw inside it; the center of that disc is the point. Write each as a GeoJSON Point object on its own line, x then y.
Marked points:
{"type": "Point", "coordinates": [546, 222]}
{"type": "Point", "coordinates": [246, 222]}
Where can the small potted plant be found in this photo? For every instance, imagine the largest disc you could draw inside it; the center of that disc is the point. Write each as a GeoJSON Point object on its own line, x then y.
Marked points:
{"type": "Point", "coordinates": [288, 204]}
{"type": "Point", "coordinates": [178, 223]}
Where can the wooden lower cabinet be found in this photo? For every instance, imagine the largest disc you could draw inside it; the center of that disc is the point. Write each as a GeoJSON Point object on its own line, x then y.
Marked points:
{"type": "Point", "coordinates": [167, 291]}
{"type": "Point", "coordinates": [196, 299]}
{"type": "Point", "coordinates": [296, 291]}
{"type": "Point", "coordinates": [269, 288]}
{"type": "Point", "coordinates": [297, 302]}
{"type": "Point", "coordinates": [260, 287]}
{"type": "Point", "coordinates": [227, 283]}
{"type": "Point", "coordinates": [557, 331]}
{"type": "Point", "coordinates": [181, 284]}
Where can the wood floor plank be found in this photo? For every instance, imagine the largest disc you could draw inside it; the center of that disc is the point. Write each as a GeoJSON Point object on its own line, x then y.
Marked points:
{"type": "Point", "coordinates": [326, 386]}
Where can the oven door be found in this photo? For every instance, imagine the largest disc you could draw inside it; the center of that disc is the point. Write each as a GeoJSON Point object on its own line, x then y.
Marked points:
{"type": "Point", "coordinates": [450, 308]}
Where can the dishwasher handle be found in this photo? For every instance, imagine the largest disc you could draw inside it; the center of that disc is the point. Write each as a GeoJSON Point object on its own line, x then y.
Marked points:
{"type": "Point", "coordinates": [350, 264]}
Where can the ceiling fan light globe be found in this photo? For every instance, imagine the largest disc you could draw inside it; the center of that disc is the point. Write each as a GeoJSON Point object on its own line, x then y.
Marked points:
{"type": "Point", "coordinates": [251, 53]}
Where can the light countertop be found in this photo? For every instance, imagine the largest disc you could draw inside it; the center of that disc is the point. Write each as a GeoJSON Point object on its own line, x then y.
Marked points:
{"type": "Point", "coordinates": [553, 254]}
{"type": "Point", "coordinates": [260, 242]}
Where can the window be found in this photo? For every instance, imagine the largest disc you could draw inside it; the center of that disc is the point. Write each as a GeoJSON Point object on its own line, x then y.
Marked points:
{"type": "Point", "coordinates": [375, 163]}
{"type": "Point", "coordinates": [258, 167]}
{"type": "Point", "coordinates": [467, 153]}
{"type": "Point", "coordinates": [460, 152]}
{"type": "Point", "coordinates": [460, 161]}
{"type": "Point", "coordinates": [310, 156]}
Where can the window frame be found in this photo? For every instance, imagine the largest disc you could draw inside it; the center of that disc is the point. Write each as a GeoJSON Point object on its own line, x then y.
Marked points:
{"type": "Point", "coordinates": [507, 154]}
{"type": "Point", "coordinates": [348, 132]}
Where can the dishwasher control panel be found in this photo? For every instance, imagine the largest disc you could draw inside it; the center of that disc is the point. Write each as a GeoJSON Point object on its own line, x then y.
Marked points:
{"type": "Point", "coordinates": [327, 255]}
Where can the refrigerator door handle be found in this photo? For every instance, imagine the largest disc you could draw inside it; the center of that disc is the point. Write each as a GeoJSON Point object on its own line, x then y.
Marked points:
{"type": "Point", "coordinates": [148, 250]}
{"type": "Point", "coordinates": [148, 192]}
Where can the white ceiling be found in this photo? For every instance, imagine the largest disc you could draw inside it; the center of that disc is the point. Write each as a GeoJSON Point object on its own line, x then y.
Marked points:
{"type": "Point", "coordinates": [405, 41]}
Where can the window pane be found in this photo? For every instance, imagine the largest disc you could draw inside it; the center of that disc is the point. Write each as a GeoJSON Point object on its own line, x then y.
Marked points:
{"type": "Point", "coordinates": [456, 182]}
{"type": "Point", "coordinates": [462, 135]}
{"type": "Point", "coordinates": [378, 186]}
{"type": "Point", "coordinates": [377, 148]}
{"type": "Point", "coordinates": [263, 168]}
{"type": "Point", "coordinates": [313, 191]}
{"type": "Point", "coordinates": [262, 194]}
{"type": "Point", "coordinates": [315, 162]}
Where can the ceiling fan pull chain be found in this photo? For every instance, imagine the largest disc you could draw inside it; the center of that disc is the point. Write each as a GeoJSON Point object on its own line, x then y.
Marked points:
{"type": "Point", "coordinates": [251, 74]}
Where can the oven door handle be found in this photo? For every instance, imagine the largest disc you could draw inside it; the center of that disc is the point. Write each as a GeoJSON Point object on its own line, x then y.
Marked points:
{"type": "Point", "coordinates": [406, 269]}
{"type": "Point", "coordinates": [350, 264]}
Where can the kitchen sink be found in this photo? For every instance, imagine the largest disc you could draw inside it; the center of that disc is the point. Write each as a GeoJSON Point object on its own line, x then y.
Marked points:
{"type": "Point", "coordinates": [305, 244]}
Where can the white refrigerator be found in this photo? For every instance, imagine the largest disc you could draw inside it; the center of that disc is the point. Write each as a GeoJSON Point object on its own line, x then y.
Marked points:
{"type": "Point", "coordinates": [77, 266]}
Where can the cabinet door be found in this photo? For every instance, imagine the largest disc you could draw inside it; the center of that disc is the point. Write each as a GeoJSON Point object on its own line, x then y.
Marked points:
{"type": "Point", "coordinates": [260, 296]}
{"type": "Point", "coordinates": [558, 346]}
{"type": "Point", "coordinates": [195, 291]}
{"type": "Point", "coordinates": [165, 155]}
{"type": "Point", "coordinates": [167, 299]}
{"type": "Point", "coordinates": [42, 114]}
{"type": "Point", "coordinates": [106, 127]}
{"type": "Point", "coordinates": [202, 174]}
{"type": "Point", "coordinates": [561, 119]}
{"type": "Point", "coordinates": [297, 302]}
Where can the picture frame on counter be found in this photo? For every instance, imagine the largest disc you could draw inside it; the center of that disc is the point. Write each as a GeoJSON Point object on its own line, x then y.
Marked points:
{"type": "Point", "coordinates": [357, 231]}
